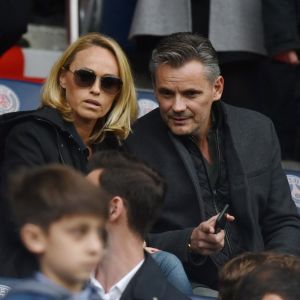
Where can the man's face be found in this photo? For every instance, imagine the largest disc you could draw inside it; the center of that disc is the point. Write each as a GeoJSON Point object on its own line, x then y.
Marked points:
{"type": "Point", "coordinates": [73, 246]}
{"type": "Point", "coordinates": [185, 96]}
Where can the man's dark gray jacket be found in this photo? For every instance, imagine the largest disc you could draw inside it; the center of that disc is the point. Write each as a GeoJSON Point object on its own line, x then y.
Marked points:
{"type": "Point", "coordinates": [150, 283]}
{"type": "Point", "coordinates": [260, 198]}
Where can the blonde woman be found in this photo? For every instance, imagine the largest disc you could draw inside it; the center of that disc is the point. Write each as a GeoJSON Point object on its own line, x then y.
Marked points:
{"type": "Point", "coordinates": [88, 104]}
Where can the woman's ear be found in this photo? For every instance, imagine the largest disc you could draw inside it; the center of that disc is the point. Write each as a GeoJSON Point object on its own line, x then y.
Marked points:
{"type": "Point", "coordinates": [62, 78]}
{"type": "Point", "coordinates": [116, 207]}
{"type": "Point", "coordinates": [34, 238]}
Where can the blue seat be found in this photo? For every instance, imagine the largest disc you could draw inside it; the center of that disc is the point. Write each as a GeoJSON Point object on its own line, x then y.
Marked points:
{"type": "Point", "coordinates": [18, 95]}
{"type": "Point", "coordinates": [22, 95]}
{"type": "Point", "coordinates": [146, 101]}
{"type": "Point", "coordinates": [293, 178]}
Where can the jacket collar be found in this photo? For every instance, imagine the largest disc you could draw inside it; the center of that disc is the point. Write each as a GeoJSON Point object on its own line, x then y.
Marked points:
{"type": "Point", "coordinates": [45, 114]}
{"type": "Point", "coordinates": [55, 119]}
{"type": "Point", "coordinates": [147, 281]}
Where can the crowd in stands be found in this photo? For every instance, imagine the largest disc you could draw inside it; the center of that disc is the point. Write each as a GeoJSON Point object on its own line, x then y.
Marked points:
{"type": "Point", "coordinates": [97, 204]}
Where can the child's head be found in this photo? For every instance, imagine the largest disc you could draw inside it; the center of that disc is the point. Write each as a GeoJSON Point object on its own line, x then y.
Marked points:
{"type": "Point", "coordinates": [61, 218]}
{"type": "Point", "coordinates": [271, 281]}
{"type": "Point", "coordinates": [234, 271]}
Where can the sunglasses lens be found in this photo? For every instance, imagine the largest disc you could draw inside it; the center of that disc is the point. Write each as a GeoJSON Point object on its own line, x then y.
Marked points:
{"type": "Point", "coordinates": [111, 84]}
{"type": "Point", "coordinates": [84, 78]}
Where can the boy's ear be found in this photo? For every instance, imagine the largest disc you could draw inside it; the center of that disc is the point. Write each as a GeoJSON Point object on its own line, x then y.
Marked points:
{"type": "Point", "coordinates": [34, 238]}
{"type": "Point", "coordinates": [116, 207]}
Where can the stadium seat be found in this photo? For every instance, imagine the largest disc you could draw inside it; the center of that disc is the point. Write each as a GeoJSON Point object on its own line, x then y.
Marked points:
{"type": "Point", "coordinates": [20, 94]}
{"type": "Point", "coordinates": [22, 72]}
{"type": "Point", "coordinates": [293, 178]}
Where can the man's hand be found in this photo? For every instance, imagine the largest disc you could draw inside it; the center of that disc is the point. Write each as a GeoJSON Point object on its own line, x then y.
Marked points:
{"type": "Point", "coordinates": [151, 250]}
{"type": "Point", "coordinates": [288, 57]}
{"type": "Point", "coordinates": [204, 240]}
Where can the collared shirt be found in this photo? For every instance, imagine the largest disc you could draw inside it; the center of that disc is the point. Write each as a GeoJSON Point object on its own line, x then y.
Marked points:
{"type": "Point", "coordinates": [116, 291]}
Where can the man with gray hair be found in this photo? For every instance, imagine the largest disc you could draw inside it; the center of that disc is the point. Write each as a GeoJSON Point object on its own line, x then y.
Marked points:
{"type": "Point", "coordinates": [211, 154]}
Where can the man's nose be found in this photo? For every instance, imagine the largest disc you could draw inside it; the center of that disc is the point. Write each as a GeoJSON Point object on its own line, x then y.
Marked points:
{"type": "Point", "coordinates": [178, 104]}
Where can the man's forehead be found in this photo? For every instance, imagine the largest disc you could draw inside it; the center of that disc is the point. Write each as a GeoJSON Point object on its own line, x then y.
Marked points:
{"type": "Point", "coordinates": [190, 72]}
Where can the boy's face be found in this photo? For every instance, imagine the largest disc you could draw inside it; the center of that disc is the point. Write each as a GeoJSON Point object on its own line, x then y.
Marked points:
{"type": "Point", "coordinates": [73, 246]}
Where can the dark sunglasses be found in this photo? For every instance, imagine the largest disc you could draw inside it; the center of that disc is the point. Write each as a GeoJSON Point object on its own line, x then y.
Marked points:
{"type": "Point", "coordinates": [87, 78]}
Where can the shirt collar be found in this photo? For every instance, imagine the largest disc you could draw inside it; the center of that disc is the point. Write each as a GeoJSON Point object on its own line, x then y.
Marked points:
{"type": "Point", "coordinates": [116, 291]}
{"type": "Point", "coordinates": [85, 293]}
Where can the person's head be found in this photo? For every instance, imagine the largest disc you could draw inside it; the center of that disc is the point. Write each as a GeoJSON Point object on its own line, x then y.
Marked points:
{"type": "Point", "coordinates": [186, 79]}
{"type": "Point", "coordinates": [233, 272]}
{"type": "Point", "coordinates": [136, 190]}
{"type": "Point", "coordinates": [92, 81]}
{"type": "Point", "coordinates": [61, 219]}
{"type": "Point", "coordinates": [270, 282]}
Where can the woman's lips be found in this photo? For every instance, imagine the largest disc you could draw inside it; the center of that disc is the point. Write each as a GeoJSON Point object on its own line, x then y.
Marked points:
{"type": "Point", "coordinates": [92, 102]}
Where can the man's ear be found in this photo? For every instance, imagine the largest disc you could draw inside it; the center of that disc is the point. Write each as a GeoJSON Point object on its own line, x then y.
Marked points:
{"type": "Point", "coordinates": [116, 207]}
{"type": "Point", "coordinates": [34, 238]}
{"type": "Point", "coordinates": [218, 88]}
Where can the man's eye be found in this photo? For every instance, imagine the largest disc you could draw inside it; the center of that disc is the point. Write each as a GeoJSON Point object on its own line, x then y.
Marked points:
{"type": "Point", "coordinates": [165, 93]}
{"type": "Point", "coordinates": [191, 94]}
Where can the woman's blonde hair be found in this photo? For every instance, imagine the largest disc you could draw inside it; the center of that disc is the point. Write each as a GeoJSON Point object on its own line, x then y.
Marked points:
{"type": "Point", "coordinates": [124, 109]}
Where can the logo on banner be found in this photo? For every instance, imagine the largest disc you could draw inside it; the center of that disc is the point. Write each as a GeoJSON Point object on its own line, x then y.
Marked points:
{"type": "Point", "coordinates": [4, 289]}
{"type": "Point", "coordinates": [294, 182]}
{"type": "Point", "coordinates": [9, 101]}
{"type": "Point", "coordinates": [145, 106]}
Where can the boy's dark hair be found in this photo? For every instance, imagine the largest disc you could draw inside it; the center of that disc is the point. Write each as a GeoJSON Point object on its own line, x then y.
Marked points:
{"type": "Point", "coordinates": [233, 272]}
{"type": "Point", "coordinates": [140, 187]}
{"type": "Point", "coordinates": [270, 279]}
{"type": "Point", "coordinates": [45, 194]}
{"type": "Point", "coordinates": [112, 158]}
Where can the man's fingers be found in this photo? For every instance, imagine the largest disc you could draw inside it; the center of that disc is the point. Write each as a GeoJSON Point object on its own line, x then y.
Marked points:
{"type": "Point", "coordinates": [210, 246]}
{"type": "Point", "coordinates": [206, 248]}
{"type": "Point", "coordinates": [209, 225]}
{"type": "Point", "coordinates": [206, 228]}
{"type": "Point", "coordinates": [201, 240]}
{"type": "Point", "coordinates": [230, 218]}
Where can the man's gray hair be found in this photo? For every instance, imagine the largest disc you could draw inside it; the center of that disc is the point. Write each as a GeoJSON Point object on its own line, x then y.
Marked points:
{"type": "Point", "coordinates": [179, 48]}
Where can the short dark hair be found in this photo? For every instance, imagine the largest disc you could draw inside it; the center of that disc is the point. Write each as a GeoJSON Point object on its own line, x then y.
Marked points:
{"type": "Point", "coordinates": [141, 188]}
{"type": "Point", "coordinates": [45, 194]}
{"type": "Point", "coordinates": [111, 158]}
{"type": "Point", "coordinates": [270, 279]}
{"type": "Point", "coordinates": [233, 272]}
{"type": "Point", "coordinates": [178, 48]}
